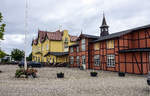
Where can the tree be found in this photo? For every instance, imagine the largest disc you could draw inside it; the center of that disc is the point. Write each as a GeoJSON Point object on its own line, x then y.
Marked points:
{"type": "Point", "coordinates": [2, 54]}
{"type": "Point", "coordinates": [30, 57]}
{"type": "Point", "coordinates": [2, 27]}
{"type": "Point", "coordinates": [17, 54]}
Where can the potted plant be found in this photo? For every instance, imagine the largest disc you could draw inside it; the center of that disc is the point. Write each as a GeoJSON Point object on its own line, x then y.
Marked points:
{"type": "Point", "coordinates": [93, 73]}
{"type": "Point", "coordinates": [29, 72]}
{"type": "Point", "coordinates": [60, 75]}
{"type": "Point", "coordinates": [148, 78]}
{"type": "Point", "coordinates": [121, 74]}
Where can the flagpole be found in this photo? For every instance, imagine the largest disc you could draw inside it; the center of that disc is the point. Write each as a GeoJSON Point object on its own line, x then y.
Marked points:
{"type": "Point", "coordinates": [26, 29]}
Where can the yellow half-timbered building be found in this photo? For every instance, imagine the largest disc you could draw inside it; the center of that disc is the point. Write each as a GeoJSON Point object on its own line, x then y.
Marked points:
{"type": "Point", "coordinates": [52, 47]}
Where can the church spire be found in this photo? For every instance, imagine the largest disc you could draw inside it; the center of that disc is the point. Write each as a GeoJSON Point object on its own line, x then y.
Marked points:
{"type": "Point", "coordinates": [104, 21]}
{"type": "Point", "coordinates": [104, 27]}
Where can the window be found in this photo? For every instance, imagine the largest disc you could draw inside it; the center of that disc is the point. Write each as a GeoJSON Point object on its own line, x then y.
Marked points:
{"type": "Point", "coordinates": [83, 44]}
{"type": "Point", "coordinates": [66, 40]}
{"type": "Point", "coordinates": [110, 44]}
{"type": "Point", "coordinates": [66, 47]}
{"type": "Point", "coordinates": [78, 60]}
{"type": "Point", "coordinates": [96, 46]}
{"type": "Point", "coordinates": [71, 49]}
{"type": "Point", "coordinates": [111, 60]}
{"type": "Point", "coordinates": [106, 29]}
{"type": "Point", "coordinates": [71, 60]}
{"type": "Point", "coordinates": [47, 47]}
{"type": "Point", "coordinates": [47, 59]}
{"type": "Point", "coordinates": [77, 48]}
{"type": "Point", "coordinates": [50, 60]}
{"type": "Point", "coordinates": [96, 60]}
{"type": "Point", "coordinates": [38, 59]}
{"type": "Point", "coordinates": [83, 60]}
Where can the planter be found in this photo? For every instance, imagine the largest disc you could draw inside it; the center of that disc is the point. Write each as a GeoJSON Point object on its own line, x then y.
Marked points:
{"type": "Point", "coordinates": [148, 81]}
{"type": "Point", "coordinates": [60, 75]}
{"type": "Point", "coordinates": [81, 68]}
{"type": "Point", "coordinates": [26, 73]}
{"type": "Point", "coordinates": [121, 74]}
{"type": "Point", "coordinates": [93, 74]}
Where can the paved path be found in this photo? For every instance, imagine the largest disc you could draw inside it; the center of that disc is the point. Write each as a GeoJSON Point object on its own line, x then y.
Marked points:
{"type": "Point", "coordinates": [75, 83]}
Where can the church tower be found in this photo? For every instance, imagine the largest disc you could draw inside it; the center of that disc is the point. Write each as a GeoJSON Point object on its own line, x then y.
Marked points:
{"type": "Point", "coordinates": [104, 27]}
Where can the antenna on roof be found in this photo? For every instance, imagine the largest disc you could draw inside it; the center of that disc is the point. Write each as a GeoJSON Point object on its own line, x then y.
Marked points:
{"type": "Point", "coordinates": [81, 31]}
{"type": "Point", "coordinates": [60, 27]}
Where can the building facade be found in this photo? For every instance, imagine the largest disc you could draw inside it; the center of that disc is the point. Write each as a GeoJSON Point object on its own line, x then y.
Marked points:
{"type": "Point", "coordinates": [126, 51]}
{"type": "Point", "coordinates": [52, 47]}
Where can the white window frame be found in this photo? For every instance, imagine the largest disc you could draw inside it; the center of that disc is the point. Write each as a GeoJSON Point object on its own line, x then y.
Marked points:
{"type": "Point", "coordinates": [96, 60]}
{"type": "Point", "coordinates": [71, 60]}
{"type": "Point", "coordinates": [83, 59]}
{"type": "Point", "coordinates": [83, 44]}
{"type": "Point", "coordinates": [111, 60]}
{"type": "Point", "coordinates": [77, 48]}
{"type": "Point", "coordinates": [71, 49]}
{"type": "Point", "coordinates": [78, 60]}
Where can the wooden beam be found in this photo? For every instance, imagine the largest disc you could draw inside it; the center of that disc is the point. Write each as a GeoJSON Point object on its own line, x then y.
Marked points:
{"type": "Point", "coordinates": [141, 56]}
{"type": "Point", "coordinates": [137, 63]}
{"type": "Point", "coordinates": [125, 63]}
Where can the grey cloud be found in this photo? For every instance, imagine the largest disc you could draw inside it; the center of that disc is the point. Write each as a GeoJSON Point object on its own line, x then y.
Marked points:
{"type": "Point", "coordinates": [73, 15]}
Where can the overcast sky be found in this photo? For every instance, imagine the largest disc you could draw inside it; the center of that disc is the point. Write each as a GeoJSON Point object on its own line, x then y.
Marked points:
{"type": "Point", "coordinates": [73, 15]}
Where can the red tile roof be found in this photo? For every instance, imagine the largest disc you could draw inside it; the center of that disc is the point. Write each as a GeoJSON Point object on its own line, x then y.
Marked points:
{"type": "Point", "coordinates": [35, 41]}
{"type": "Point", "coordinates": [73, 38]}
{"type": "Point", "coordinates": [51, 36]}
{"type": "Point", "coordinates": [55, 35]}
{"type": "Point", "coordinates": [42, 36]}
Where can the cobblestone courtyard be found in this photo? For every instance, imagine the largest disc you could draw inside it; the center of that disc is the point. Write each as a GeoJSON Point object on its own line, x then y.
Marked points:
{"type": "Point", "coordinates": [75, 83]}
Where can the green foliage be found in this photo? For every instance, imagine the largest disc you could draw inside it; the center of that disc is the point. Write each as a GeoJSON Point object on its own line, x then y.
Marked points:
{"type": "Point", "coordinates": [2, 27]}
{"type": "Point", "coordinates": [30, 57]}
{"type": "Point", "coordinates": [19, 72]}
{"type": "Point", "coordinates": [29, 72]}
{"type": "Point", "coordinates": [94, 72]}
{"type": "Point", "coordinates": [2, 54]}
{"type": "Point", "coordinates": [17, 54]}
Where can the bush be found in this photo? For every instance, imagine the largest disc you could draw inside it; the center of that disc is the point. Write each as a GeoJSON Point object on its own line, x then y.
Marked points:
{"type": "Point", "coordinates": [19, 72]}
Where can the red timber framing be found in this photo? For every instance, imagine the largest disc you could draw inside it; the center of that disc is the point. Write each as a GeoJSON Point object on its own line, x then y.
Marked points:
{"type": "Point", "coordinates": [131, 51]}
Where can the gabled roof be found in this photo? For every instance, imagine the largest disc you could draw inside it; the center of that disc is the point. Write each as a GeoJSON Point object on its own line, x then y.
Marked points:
{"type": "Point", "coordinates": [88, 36]}
{"type": "Point", "coordinates": [73, 38]}
{"type": "Point", "coordinates": [42, 35]}
{"type": "Point", "coordinates": [56, 36]}
{"type": "Point", "coordinates": [118, 34]}
{"type": "Point", "coordinates": [35, 41]}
